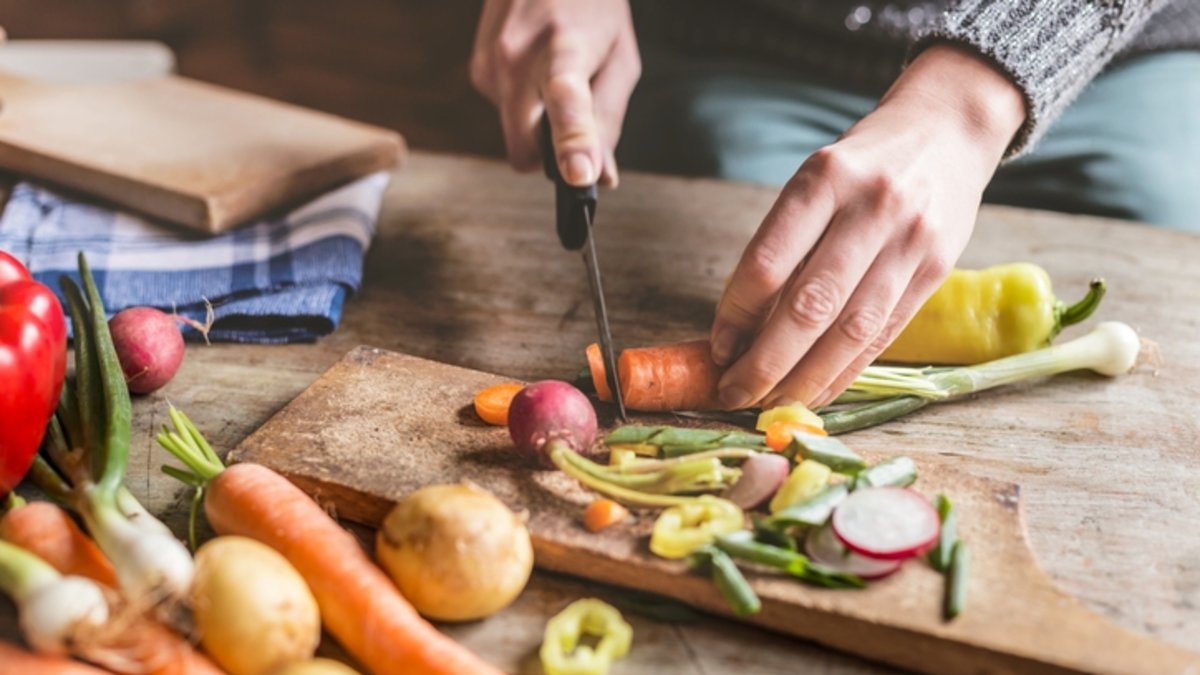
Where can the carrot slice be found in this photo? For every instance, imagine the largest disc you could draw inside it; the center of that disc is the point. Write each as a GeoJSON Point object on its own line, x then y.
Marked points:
{"type": "Point", "coordinates": [602, 513]}
{"type": "Point", "coordinates": [492, 403]}
{"type": "Point", "coordinates": [599, 379]}
{"type": "Point", "coordinates": [779, 434]}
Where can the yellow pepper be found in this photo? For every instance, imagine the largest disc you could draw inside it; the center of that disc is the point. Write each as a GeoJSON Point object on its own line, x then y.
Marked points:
{"type": "Point", "coordinates": [562, 652]}
{"type": "Point", "coordinates": [682, 529]}
{"type": "Point", "coordinates": [981, 315]}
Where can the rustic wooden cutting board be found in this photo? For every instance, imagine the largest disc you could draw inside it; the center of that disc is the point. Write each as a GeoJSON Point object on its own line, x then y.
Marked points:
{"type": "Point", "coordinates": [378, 425]}
{"type": "Point", "coordinates": [188, 152]}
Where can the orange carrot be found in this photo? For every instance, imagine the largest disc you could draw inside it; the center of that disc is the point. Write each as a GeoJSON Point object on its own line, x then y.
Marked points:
{"type": "Point", "coordinates": [596, 366]}
{"type": "Point", "coordinates": [680, 376]}
{"type": "Point", "coordinates": [17, 661]}
{"type": "Point", "coordinates": [602, 513]}
{"type": "Point", "coordinates": [49, 532]}
{"type": "Point", "coordinates": [360, 606]}
{"type": "Point", "coordinates": [491, 403]}
{"type": "Point", "coordinates": [147, 646]}
{"type": "Point", "coordinates": [779, 434]}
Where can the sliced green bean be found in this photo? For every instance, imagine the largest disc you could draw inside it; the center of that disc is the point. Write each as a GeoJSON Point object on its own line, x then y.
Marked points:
{"type": "Point", "coordinates": [728, 579]}
{"type": "Point", "coordinates": [898, 471]}
{"type": "Point", "coordinates": [939, 556]}
{"type": "Point", "coordinates": [956, 580]}
{"type": "Point", "coordinates": [827, 450]}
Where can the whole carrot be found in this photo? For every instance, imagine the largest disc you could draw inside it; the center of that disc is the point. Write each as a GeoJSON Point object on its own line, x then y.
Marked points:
{"type": "Point", "coordinates": [17, 661]}
{"type": "Point", "coordinates": [145, 646]}
{"type": "Point", "coordinates": [679, 376]}
{"type": "Point", "coordinates": [359, 604]}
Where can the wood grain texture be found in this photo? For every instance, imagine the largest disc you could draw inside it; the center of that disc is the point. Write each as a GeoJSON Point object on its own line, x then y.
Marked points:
{"type": "Point", "coordinates": [181, 150]}
{"type": "Point", "coordinates": [466, 269]}
{"type": "Point", "coordinates": [379, 425]}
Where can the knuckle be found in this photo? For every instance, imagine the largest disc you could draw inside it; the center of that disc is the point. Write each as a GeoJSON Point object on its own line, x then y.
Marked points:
{"type": "Point", "coordinates": [763, 268]}
{"type": "Point", "coordinates": [815, 302]}
{"type": "Point", "coordinates": [937, 267]}
{"type": "Point", "coordinates": [861, 325]}
{"type": "Point", "coordinates": [507, 52]}
{"type": "Point", "coordinates": [827, 161]}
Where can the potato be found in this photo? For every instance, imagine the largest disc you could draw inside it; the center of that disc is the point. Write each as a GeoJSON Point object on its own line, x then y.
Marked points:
{"type": "Point", "coordinates": [456, 552]}
{"type": "Point", "coordinates": [252, 609]}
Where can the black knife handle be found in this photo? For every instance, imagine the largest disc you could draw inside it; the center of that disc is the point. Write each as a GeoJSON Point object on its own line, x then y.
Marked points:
{"type": "Point", "coordinates": [569, 201]}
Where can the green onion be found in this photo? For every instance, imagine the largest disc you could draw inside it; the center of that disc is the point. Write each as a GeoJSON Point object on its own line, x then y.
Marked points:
{"type": "Point", "coordinates": [1112, 348]}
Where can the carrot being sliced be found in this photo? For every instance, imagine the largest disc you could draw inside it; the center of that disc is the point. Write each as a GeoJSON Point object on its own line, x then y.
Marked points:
{"type": "Point", "coordinates": [602, 513]}
{"type": "Point", "coordinates": [679, 376]}
{"type": "Point", "coordinates": [149, 647]}
{"type": "Point", "coordinates": [359, 604]}
{"type": "Point", "coordinates": [491, 403]}
{"type": "Point", "coordinates": [17, 661]}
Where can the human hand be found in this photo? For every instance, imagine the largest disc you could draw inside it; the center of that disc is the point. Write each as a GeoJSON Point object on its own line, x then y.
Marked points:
{"type": "Point", "coordinates": [863, 233]}
{"type": "Point", "coordinates": [577, 61]}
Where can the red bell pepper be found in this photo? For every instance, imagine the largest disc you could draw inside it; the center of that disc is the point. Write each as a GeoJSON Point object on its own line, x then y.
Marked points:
{"type": "Point", "coordinates": [33, 362]}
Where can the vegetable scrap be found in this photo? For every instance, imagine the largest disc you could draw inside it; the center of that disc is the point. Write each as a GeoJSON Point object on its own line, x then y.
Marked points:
{"type": "Point", "coordinates": [602, 514]}
{"type": "Point", "coordinates": [564, 648]}
{"type": "Point", "coordinates": [491, 403]}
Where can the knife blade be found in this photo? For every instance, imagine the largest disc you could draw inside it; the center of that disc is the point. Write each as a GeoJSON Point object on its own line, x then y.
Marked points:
{"type": "Point", "coordinates": [575, 208]}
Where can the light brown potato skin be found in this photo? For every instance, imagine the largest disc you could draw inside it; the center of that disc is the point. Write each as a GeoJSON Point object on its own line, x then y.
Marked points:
{"type": "Point", "coordinates": [252, 609]}
{"type": "Point", "coordinates": [455, 551]}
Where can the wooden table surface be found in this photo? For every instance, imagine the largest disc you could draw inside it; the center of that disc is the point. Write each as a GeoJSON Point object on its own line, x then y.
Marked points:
{"type": "Point", "coordinates": [466, 269]}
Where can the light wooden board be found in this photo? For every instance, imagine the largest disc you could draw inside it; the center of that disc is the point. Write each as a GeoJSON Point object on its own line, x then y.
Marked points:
{"type": "Point", "coordinates": [378, 425]}
{"type": "Point", "coordinates": [181, 150]}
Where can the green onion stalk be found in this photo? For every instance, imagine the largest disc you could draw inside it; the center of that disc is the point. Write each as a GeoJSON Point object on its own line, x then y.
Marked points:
{"type": "Point", "coordinates": [883, 393]}
{"type": "Point", "coordinates": [85, 453]}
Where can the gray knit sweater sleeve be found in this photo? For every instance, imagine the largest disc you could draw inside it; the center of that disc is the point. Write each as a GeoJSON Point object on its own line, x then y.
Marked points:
{"type": "Point", "coordinates": [1051, 49]}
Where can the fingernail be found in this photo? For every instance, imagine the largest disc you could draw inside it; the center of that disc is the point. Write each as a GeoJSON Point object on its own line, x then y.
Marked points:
{"type": "Point", "coordinates": [733, 397]}
{"type": "Point", "coordinates": [579, 169]}
{"type": "Point", "coordinates": [724, 345]}
{"type": "Point", "coordinates": [823, 398]}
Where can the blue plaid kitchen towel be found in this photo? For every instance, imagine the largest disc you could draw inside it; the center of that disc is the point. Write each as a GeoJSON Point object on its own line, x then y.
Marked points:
{"type": "Point", "coordinates": [279, 279]}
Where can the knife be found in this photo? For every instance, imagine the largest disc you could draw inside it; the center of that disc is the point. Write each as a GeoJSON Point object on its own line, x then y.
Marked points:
{"type": "Point", "coordinates": [574, 209]}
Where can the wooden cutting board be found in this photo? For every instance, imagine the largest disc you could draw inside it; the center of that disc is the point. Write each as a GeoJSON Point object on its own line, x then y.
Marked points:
{"type": "Point", "coordinates": [191, 153]}
{"type": "Point", "coordinates": [378, 425]}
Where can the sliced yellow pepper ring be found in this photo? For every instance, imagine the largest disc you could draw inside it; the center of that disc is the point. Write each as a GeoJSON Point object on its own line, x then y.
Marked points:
{"type": "Point", "coordinates": [682, 529]}
{"type": "Point", "coordinates": [792, 412]}
{"type": "Point", "coordinates": [562, 653]}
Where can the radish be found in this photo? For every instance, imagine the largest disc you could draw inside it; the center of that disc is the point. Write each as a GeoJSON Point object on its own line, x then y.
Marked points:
{"type": "Point", "coordinates": [886, 522]}
{"type": "Point", "coordinates": [824, 547]}
{"type": "Point", "coordinates": [762, 474]}
{"type": "Point", "coordinates": [551, 413]}
{"type": "Point", "coordinates": [150, 346]}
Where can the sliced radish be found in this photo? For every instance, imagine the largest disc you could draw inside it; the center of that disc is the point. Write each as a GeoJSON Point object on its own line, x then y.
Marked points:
{"type": "Point", "coordinates": [886, 522]}
{"type": "Point", "coordinates": [762, 474]}
{"type": "Point", "coordinates": [824, 547]}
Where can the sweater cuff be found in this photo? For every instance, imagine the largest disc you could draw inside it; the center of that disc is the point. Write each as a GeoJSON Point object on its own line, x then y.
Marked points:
{"type": "Point", "coordinates": [1050, 49]}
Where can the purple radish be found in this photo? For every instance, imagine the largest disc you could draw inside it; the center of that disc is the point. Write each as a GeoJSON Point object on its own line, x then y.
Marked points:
{"type": "Point", "coordinates": [149, 347]}
{"type": "Point", "coordinates": [889, 523]}
{"type": "Point", "coordinates": [549, 412]}
{"type": "Point", "coordinates": [824, 547]}
{"type": "Point", "coordinates": [762, 474]}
